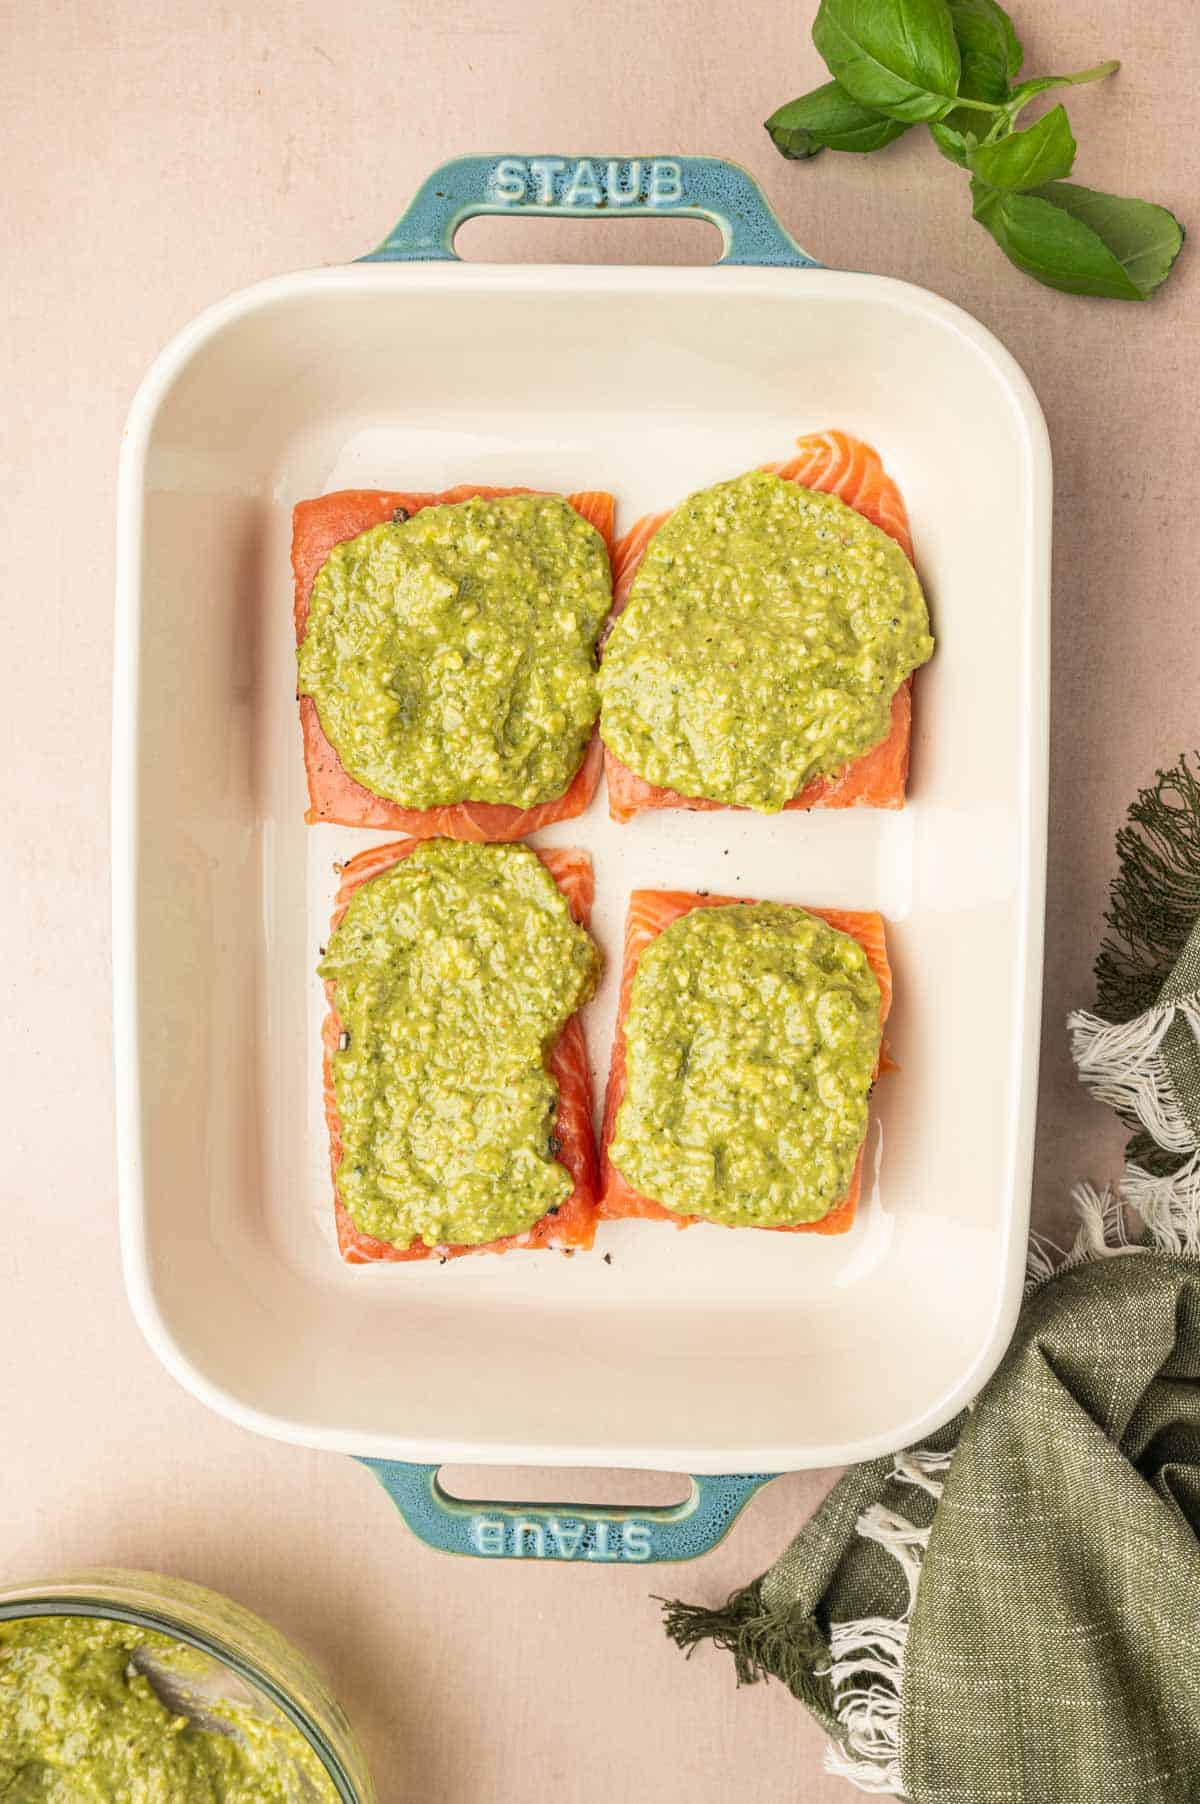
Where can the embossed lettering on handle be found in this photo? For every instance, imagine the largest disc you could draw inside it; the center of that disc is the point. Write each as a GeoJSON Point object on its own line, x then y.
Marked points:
{"type": "Point", "coordinates": [587, 182]}
{"type": "Point", "coordinates": [561, 1538]}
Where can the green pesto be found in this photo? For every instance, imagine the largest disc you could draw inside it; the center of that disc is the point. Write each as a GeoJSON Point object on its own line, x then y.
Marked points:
{"type": "Point", "coordinates": [766, 633]}
{"type": "Point", "coordinates": [751, 1040]}
{"type": "Point", "coordinates": [452, 657]}
{"type": "Point", "coordinates": [455, 969]}
{"type": "Point", "coordinates": [80, 1724]}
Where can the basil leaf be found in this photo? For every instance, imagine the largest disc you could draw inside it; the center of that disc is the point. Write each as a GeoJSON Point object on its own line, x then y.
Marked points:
{"type": "Point", "coordinates": [989, 47]}
{"type": "Point", "coordinates": [1080, 240]}
{"type": "Point", "coordinates": [900, 58]}
{"type": "Point", "coordinates": [1145, 237]}
{"type": "Point", "coordinates": [949, 139]}
{"type": "Point", "coordinates": [829, 119]}
{"type": "Point", "coordinates": [1027, 159]}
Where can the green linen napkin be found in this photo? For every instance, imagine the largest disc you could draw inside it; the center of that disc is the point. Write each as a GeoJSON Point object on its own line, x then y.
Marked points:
{"type": "Point", "coordinates": [1011, 1613]}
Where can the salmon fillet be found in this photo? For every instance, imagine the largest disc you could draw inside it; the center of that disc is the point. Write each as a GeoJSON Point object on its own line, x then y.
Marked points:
{"type": "Point", "coordinates": [835, 464]}
{"type": "Point", "coordinates": [649, 912]}
{"type": "Point", "coordinates": [319, 525]}
{"type": "Point", "coordinates": [574, 1224]}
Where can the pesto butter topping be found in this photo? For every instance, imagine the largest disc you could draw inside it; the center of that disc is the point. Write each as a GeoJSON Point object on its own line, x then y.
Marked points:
{"type": "Point", "coordinates": [451, 657]}
{"type": "Point", "coordinates": [752, 1039]}
{"type": "Point", "coordinates": [456, 969]}
{"type": "Point", "coordinates": [766, 633]}
{"type": "Point", "coordinates": [81, 1724]}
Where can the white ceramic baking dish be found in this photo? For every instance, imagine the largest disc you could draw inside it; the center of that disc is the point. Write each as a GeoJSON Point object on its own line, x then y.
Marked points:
{"type": "Point", "coordinates": [704, 1352]}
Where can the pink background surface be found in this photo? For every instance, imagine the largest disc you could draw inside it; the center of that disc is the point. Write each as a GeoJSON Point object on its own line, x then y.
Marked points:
{"type": "Point", "coordinates": [161, 155]}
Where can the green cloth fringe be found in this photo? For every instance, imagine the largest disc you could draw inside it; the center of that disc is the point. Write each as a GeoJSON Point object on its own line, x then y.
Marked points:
{"type": "Point", "coordinates": [1154, 900]}
{"type": "Point", "coordinates": [765, 1644]}
{"type": "Point", "coordinates": [1153, 913]}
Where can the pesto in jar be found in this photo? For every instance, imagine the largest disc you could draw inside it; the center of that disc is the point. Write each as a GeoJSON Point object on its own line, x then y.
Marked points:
{"type": "Point", "coordinates": [81, 1724]}
{"type": "Point", "coordinates": [451, 657]}
{"type": "Point", "coordinates": [752, 1039]}
{"type": "Point", "coordinates": [456, 969]}
{"type": "Point", "coordinates": [767, 631]}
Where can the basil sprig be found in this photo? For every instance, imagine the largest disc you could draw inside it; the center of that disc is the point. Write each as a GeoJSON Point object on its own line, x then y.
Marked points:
{"type": "Point", "coordinates": [953, 65]}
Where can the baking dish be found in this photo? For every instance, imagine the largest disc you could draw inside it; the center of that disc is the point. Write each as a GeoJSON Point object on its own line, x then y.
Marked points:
{"type": "Point", "coordinates": [247, 1662]}
{"type": "Point", "coordinates": [703, 1352]}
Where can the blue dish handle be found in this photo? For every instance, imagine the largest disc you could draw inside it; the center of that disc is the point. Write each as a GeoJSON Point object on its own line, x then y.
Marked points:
{"type": "Point", "coordinates": [592, 188]}
{"type": "Point", "coordinates": [566, 1531]}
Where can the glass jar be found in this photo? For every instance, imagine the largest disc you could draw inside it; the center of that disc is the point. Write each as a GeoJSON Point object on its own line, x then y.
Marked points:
{"type": "Point", "coordinates": [281, 1683]}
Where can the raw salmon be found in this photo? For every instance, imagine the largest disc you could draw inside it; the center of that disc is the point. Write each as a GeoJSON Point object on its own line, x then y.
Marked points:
{"type": "Point", "coordinates": [319, 525]}
{"type": "Point", "coordinates": [574, 1223]}
{"type": "Point", "coordinates": [650, 910]}
{"type": "Point", "coordinates": [836, 464]}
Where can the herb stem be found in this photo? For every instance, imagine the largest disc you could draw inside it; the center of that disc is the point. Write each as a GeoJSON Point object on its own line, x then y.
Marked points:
{"type": "Point", "coordinates": [1098, 73]}
{"type": "Point", "coordinates": [1017, 105]}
